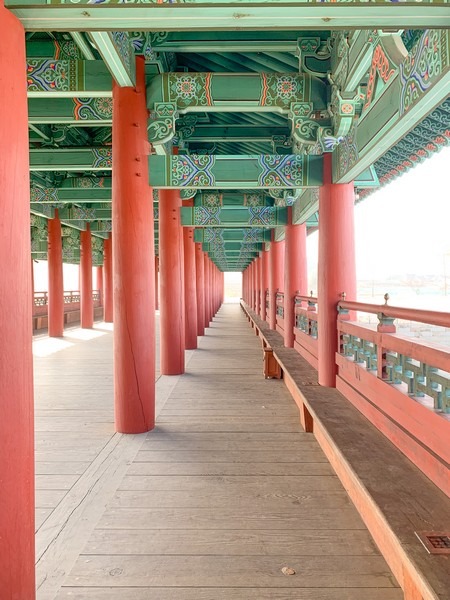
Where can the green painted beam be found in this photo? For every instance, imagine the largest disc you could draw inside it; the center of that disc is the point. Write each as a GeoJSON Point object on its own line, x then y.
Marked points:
{"type": "Point", "coordinates": [83, 45]}
{"type": "Point", "coordinates": [234, 172]}
{"type": "Point", "coordinates": [235, 133]}
{"type": "Point", "coordinates": [250, 234]}
{"type": "Point", "coordinates": [55, 49]}
{"type": "Point", "coordinates": [86, 183]}
{"type": "Point", "coordinates": [77, 111]}
{"type": "Point", "coordinates": [85, 214]}
{"type": "Point", "coordinates": [70, 195]}
{"type": "Point", "coordinates": [42, 210]}
{"type": "Point", "coordinates": [38, 15]}
{"type": "Point", "coordinates": [200, 216]}
{"type": "Point", "coordinates": [210, 199]}
{"type": "Point", "coordinates": [236, 92]}
{"type": "Point", "coordinates": [221, 41]}
{"type": "Point", "coordinates": [74, 224]}
{"type": "Point", "coordinates": [68, 78]}
{"type": "Point", "coordinates": [231, 247]}
{"type": "Point", "coordinates": [102, 228]}
{"type": "Point", "coordinates": [394, 108]}
{"type": "Point", "coordinates": [117, 52]}
{"type": "Point", "coordinates": [75, 159]}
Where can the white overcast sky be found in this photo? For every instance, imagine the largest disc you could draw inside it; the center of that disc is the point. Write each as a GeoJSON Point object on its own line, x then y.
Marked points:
{"type": "Point", "coordinates": [403, 227]}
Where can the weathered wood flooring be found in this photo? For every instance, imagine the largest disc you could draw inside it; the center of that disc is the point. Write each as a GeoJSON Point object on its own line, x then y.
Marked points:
{"type": "Point", "coordinates": [213, 504]}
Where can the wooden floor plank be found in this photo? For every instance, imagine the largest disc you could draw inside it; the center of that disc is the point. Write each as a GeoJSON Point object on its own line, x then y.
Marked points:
{"type": "Point", "coordinates": [211, 505]}
{"type": "Point", "coordinates": [233, 543]}
{"type": "Point", "coordinates": [220, 593]}
{"type": "Point", "coordinates": [220, 468]}
{"type": "Point", "coordinates": [269, 499]}
{"type": "Point", "coordinates": [245, 518]}
{"type": "Point", "coordinates": [231, 571]}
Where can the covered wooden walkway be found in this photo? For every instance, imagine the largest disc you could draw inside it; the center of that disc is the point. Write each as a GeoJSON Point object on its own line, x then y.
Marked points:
{"type": "Point", "coordinates": [224, 499]}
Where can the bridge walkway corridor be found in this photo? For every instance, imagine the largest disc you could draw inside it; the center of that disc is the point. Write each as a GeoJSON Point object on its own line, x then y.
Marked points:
{"type": "Point", "coordinates": [228, 498]}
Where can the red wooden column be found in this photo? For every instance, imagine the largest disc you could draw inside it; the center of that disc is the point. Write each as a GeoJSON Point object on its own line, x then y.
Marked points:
{"type": "Point", "coordinates": [264, 282]}
{"type": "Point", "coordinates": [247, 284]}
{"type": "Point", "coordinates": [276, 278]}
{"type": "Point", "coordinates": [16, 376]}
{"type": "Point", "coordinates": [211, 290]}
{"type": "Point", "coordinates": [156, 282]}
{"type": "Point", "coordinates": [207, 290]}
{"type": "Point", "coordinates": [32, 286]}
{"type": "Point", "coordinates": [133, 261]}
{"type": "Point", "coordinates": [250, 284]}
{"type": "Point", "coordinates": [213, 297]}
{"type": "Point", "coordinates": [99, 282]}
{"type": "Point", "coordinates": [337, 272]}
{"type": "Point", "coordinates": [108, 281]}
{"type": "Point", "coordinates": [86, 302]}
{"type": "Point", "coordinates": [171, 273]}
{"type": "Point", "coordinates": [200, 288]}
{"type": "Point", "coordinates": [190, 291]}
{"type": "Point", "coordinates": [258, 284]}
{"type": "Point", "coordinates": [295, 277]}
{"type": "Point", "coordinates": [55, 279]}
{"type": "Point", "coordinates": [216, 295]}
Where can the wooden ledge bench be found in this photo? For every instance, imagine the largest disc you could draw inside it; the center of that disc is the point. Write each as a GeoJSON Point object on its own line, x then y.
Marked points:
{"type": "Point", "coordinates": [394, 498]}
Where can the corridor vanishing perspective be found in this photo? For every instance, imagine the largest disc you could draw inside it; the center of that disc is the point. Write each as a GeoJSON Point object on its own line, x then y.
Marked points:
{"type": "Point", "coordinates": [217, 451]}
{"type": "Point", "coordinates": [227, 498]}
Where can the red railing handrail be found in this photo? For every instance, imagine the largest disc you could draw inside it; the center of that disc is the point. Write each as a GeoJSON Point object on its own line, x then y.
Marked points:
{"type": "Point", "coordinates": [68, 292]}
{"type": "Point", "coordinates": [430, 317]}
{"type": "Point", "coordinates": [306, 298]}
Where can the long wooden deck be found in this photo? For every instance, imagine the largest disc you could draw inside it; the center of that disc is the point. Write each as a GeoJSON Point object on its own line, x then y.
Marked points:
{"type": "Point", "coordinates": [225, 494]}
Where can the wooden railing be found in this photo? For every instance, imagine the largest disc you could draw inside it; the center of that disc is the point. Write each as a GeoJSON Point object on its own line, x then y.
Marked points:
{"type": "Point", "coordinates": [71, 301]}
{"type": "Point", "coordinates": [401, 384]}
{"type": "Point", "coordinates": [305, 329]}
{"type": "Point", "coordinates": [415, 368]}
{"type": "Point", "coordinates": [72, 297]}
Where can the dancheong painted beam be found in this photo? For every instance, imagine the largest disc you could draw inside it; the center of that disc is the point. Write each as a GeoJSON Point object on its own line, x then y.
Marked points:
{"type": "Point", "coordinates": [70, 111]}
{"type": "Point", "coordinates": [266, 216]}
{"type": "Point", "coordinates": [234, 172]}
{"type": "Point", "coordinates": [56, 15]}
{"type": "Point", "coordinates": [76, 159]}
{"type": "Point", "coordinates": [68, 78]}
{"type": "Point", "coordinates": [70, 195]}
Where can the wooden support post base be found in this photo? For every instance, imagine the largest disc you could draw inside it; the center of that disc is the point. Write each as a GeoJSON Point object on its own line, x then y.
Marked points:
{"type": "Point", "coordinates": [272, 369]}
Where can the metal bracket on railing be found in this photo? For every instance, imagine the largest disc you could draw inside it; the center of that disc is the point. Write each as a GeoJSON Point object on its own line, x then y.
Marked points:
{"type": "Point", "coordinates": [343, 313]}
{"type": "Point", "coordinates": [312, 304]}
{"type": "Point", "coordinates": [386, 324]}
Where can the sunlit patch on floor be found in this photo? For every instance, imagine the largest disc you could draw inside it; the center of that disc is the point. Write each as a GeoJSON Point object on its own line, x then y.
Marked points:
{"type": "Point", "coordinates": [48, 346]}
{"type": "Point", "coordinates": [84, 334]}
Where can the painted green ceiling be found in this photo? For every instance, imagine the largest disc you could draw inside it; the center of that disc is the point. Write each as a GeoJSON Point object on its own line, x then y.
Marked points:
{"type": "Point", "coordinates": [70, 132]}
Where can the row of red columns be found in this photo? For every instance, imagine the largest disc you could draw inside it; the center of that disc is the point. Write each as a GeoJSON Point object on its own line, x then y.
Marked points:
{"type": "Point", "coordinates": [56, 286]}
{"type": "Point", "coordinates": [186, 309]}
{"type": "Point", "coordinates": [191, 292]}
{"type": "Point", "coordinates": [283, 268]}
{"type": "Point", "coordinates": [191, 286]}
